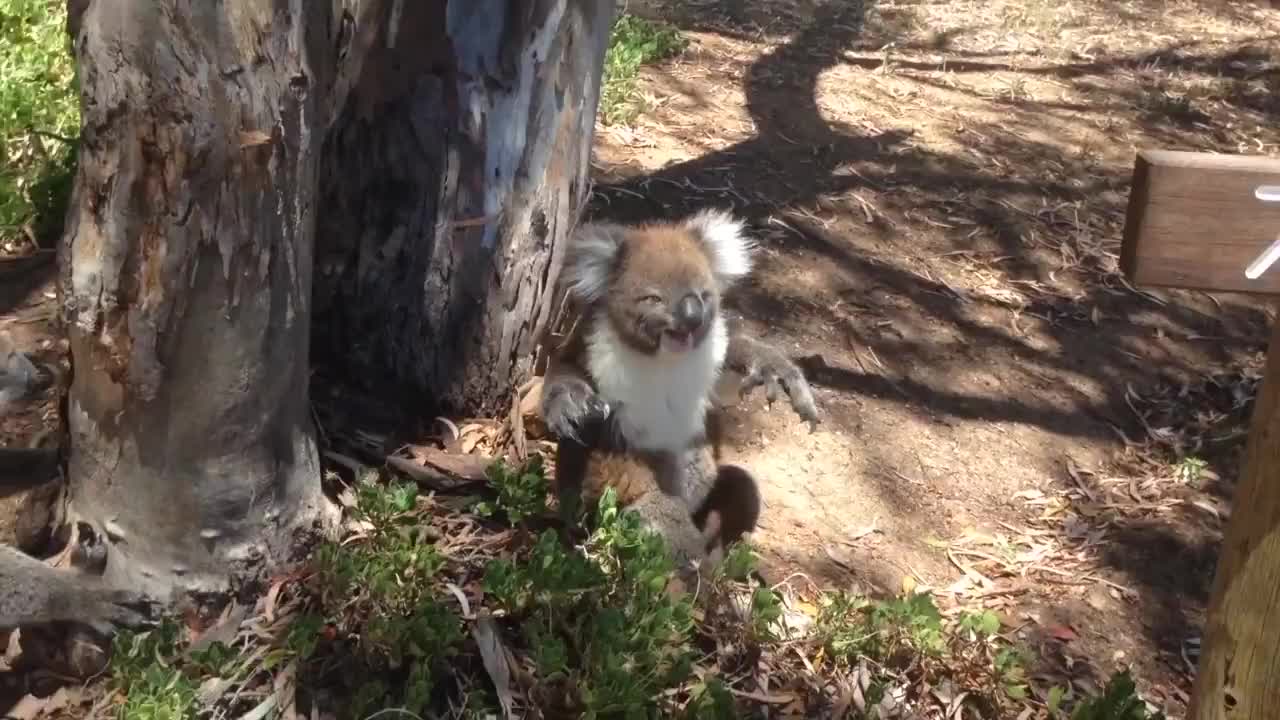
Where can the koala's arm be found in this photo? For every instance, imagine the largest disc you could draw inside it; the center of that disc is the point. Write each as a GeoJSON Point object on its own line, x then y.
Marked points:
{"type": "Point", "coordinates": [571, 408]}
{"type": "Point", "coordinates": [33, 593]}
{"type": "Point", "coordinates": [764, 364]}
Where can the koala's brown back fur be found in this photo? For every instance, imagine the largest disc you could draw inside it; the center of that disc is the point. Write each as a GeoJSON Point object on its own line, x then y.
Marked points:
{"type": "Point", "coordinates": [630, 476]}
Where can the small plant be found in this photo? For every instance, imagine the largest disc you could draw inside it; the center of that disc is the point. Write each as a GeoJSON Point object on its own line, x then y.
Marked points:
{"type": "Point", "coordinates": [908, 635]}
{"type": "Point", "coordinates": [909, 624]}
{"type": "Point", "coordinates": [1119, 701]}
{"type": "Point", "coordinates": [605, 635]}
{"type": "Point", "coordinates": [766, 611]}
{"type": "Point", "coordinates": [145, 671]}
{"type": "Point", "coordinates": [1189, 470]}
{"type": "Point", "coordinates": [39, 118]}
{"type": "Point", "coordinates": [522, 493]}
{"type": "Point", "coordinates": [983, 625]}
{"type": "Point", "coordinates": [633, 42]}
{"type": "Point", "coordinates": [843, 628]}
{"type": "Point", "coordinates": [739, 562]}
{"type": "Point", "coordinates": [382, 591]}
{"type": "Point", "coordinates": [711, 700]}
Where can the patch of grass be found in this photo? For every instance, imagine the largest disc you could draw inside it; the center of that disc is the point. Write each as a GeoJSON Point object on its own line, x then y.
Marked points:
{"type": "Point", "coordinates": [1119, 701]}
{"type": "Point", "coordinates": [907, 636]}
{"type": "Point", "coordinates": [522, 492]}
{"type": "Point", "coordinates": [633, 42]}
{"type": "Point", "coordinates": [597, 631]}
{"type": "Point", "coordinates": [1189, 470]}
{"type": "Point", "coordinates": [383, 592]}
{"type": "Point", "coordinates": [605, 636]}
{"type": "Point", "coordinates": [146, 672]}
{"type": "Point", "coordinates": [39, 120]}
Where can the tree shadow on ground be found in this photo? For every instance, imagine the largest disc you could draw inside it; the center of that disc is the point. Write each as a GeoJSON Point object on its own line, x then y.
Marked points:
{"type": "Point", "coordinates": [795, 157]}
{"type": "Point", "coordinates": [798, 159]}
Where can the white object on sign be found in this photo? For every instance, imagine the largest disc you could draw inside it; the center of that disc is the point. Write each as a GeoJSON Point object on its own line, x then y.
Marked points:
{"type": "Point", "coordinates": [1265, 193]}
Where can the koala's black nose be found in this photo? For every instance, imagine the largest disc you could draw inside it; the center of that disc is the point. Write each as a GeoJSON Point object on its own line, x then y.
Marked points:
{"type": "Point", "coordinates": [688, 316]}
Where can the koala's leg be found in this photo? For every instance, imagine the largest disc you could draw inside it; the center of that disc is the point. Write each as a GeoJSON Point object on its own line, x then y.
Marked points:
{"type": "Point", "coordinates": [731, 509]}
{"type": "Point", "coordinates": [33, 593]}
{"type": "Point", "coordinates": [763, 364]}
{"type": "Point", "coordinates": [572, 460]}
{"type": "Point", "coordinates": [669, 516]}
{"type": "Point", "coordinates": [699, 475]}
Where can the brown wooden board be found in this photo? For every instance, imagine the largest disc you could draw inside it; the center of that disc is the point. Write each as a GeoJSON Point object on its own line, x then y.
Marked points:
{"type": "Point", "coordinates": [1194, 222]}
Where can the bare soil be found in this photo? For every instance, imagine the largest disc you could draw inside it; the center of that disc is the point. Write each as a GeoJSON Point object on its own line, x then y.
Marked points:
{"type": "Point", "coordinates": [939, 190]}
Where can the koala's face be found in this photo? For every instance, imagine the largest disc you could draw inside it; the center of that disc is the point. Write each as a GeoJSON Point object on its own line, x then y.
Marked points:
{"type": "Point", "coordinates": [664, 295]}
{"type": "Point", "coordinates": [659, 285]}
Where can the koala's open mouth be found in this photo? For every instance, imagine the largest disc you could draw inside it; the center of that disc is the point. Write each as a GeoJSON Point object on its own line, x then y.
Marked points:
{"type": "Point", "coordinates": [677, 342]}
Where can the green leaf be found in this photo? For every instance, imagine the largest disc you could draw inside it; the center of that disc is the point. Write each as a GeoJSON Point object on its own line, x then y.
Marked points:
{"type": "Point", "coordinates": [1056, 693]}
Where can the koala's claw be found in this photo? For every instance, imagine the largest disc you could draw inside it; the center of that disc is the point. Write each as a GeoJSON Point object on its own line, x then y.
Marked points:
{"type": "Point", "coordinates": [577, 413]}
{"type": "Point", "coordinates": [776, 383]}
{"type": "Point", "coordinates": [126, 608]}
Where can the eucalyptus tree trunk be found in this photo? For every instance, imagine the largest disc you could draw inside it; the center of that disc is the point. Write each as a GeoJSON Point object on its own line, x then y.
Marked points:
{"type": "Point", "coordinates": [458, 165]}
{"type": "Point", "coordinates": [439, 150]}
{"type": "Point", "coordinates": [185, 279]}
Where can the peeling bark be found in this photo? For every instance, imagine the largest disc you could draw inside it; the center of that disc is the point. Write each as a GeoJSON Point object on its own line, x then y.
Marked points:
{"type": "Point", "coordinates": [186, 272]}
{"type": "Point", "coordinates": [457, 166]}
{"type": "Point", "coordinates": [436, 151]}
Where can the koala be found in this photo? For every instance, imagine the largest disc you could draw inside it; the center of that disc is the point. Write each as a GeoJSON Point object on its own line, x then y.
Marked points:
{"type": "Point", "coordinates": [627, 392]}
{"type": "Point", "coordinates": [33, 593]}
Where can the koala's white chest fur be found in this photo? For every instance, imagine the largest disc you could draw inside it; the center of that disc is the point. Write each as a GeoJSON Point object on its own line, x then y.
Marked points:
{"type": "Point", "coordinates": [664, 396]}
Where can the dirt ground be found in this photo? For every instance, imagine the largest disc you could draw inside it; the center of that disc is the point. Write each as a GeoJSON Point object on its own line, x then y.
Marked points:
{"type": "Point", "coordinates": [939, 190]}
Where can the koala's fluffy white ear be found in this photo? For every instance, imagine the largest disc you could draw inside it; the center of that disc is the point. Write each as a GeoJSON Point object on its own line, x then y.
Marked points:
{"type": "Point", "coordinates": [590, 258]}
{"type": "Point", "coordinates": [727, 243]}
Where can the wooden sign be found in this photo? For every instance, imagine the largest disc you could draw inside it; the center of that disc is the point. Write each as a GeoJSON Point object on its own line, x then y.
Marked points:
{"type": "Point", "coordinates": [1194, 221]}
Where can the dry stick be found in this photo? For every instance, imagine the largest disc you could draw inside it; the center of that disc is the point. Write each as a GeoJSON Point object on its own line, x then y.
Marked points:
{"type": "Point", "coordinates": [853, 347]}
{"type": "Point", "coordinates": [425, 475]}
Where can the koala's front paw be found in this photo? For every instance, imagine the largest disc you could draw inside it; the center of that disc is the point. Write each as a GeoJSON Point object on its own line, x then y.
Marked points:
{"type": "Point", "coordinates": [126, 609]}
{"type": "Point", "coordinates": [573, 411]}
{"type": "Point", "coordinates": [788, 379]}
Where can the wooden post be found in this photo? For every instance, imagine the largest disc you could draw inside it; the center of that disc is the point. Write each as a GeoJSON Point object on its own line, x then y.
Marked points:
{"type": "Point", "coordinates": [1194, 222]}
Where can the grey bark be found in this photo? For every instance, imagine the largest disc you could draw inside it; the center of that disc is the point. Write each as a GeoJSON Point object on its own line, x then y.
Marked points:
{"type": "Point", "coordinates": [441, 150]}
{"type": "Point", "coordinates": [185, 279]}
{"type": "Point", "coordinates": [456, 168]}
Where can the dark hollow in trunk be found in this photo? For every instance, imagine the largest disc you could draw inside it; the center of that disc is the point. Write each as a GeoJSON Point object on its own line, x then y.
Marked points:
{"type": "Point", "coordinates": [457, 166]}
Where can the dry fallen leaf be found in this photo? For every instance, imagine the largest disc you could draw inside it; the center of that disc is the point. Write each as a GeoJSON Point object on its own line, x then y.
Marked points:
{"type": "Point", "coordinates": [212, 689]}
{"type": "Point", "coordinates": [285, 687]}
{"type": "Point", "coordinates": [466, 467]}
{"type": "Point", "coordinates": [31, 707]}
{"type": "Point", "coordinates": [223, 630]}
{"type": "Point", "coordinates": [12, 649]}
{"type": "Point", "coordinates": [494, 656]}
{"type": "Point", "coordinates": [1062, 632]}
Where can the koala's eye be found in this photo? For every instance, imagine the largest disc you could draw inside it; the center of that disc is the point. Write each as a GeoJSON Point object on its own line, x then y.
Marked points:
{"type": "Point", "coordinates": [650, 298]}
{"type": "Point", "coordinates": [706, 295]}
